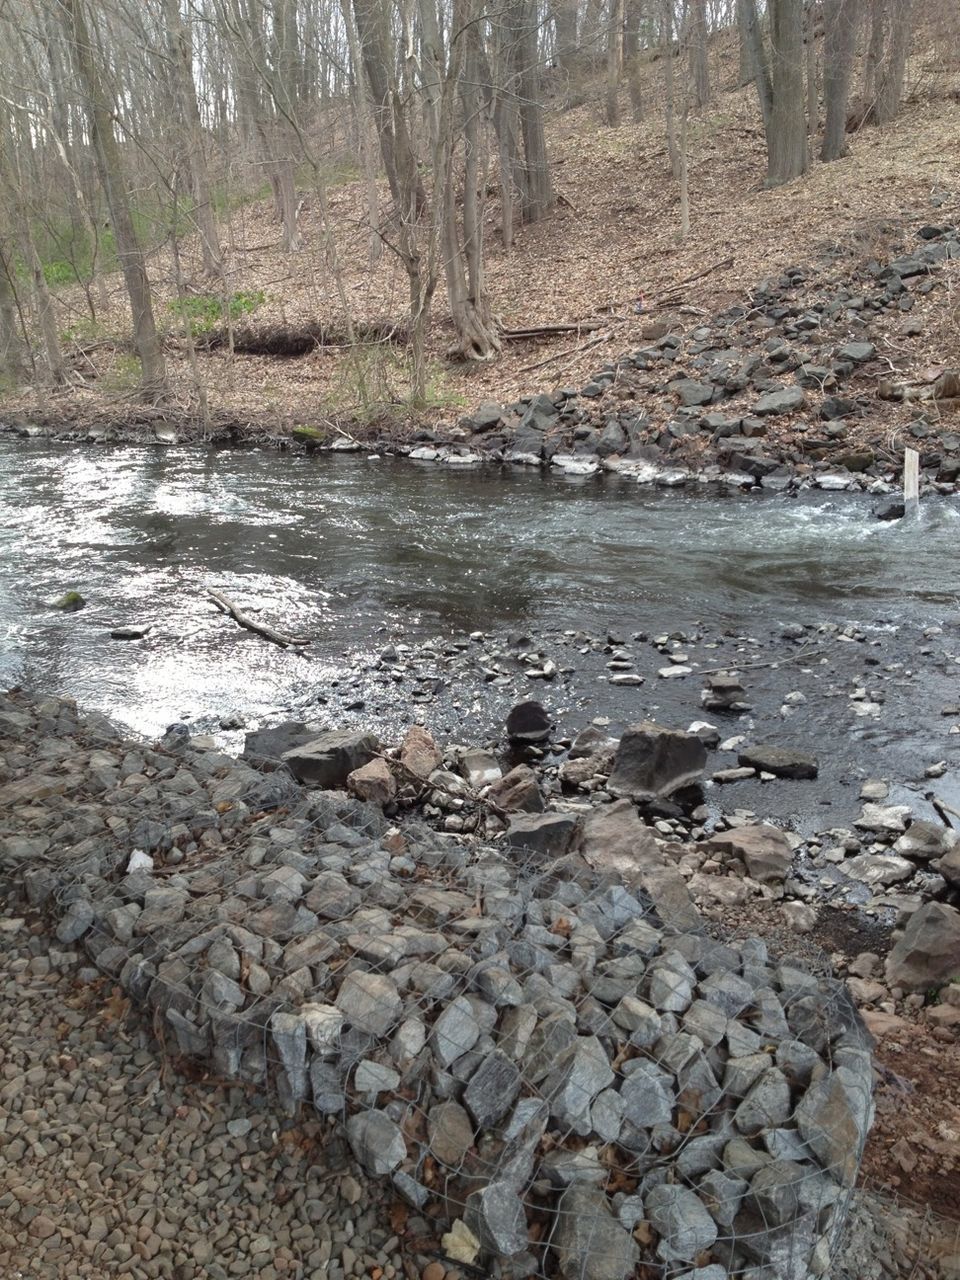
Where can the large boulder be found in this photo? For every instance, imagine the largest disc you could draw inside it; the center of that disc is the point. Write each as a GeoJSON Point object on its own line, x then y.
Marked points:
{"type": "Point", "coordinates": [614, 838]}
{"type": "Point", "coordinates": [529, 722]}
{"type": "Point", "coordinates": [764, 850]}
{"type": "Point", "coordinates": [547, 834]}
{"type": "Point", "coordinates": [326, 761]}
{"type": "Point", "coordinates": [517, 791]}
{"type": "Point", "coordinates": [928, 953]}
{"type": "Point", "coordinates": [653, 762]}
{"type": "Point", "coordinates": [265, 748]}
{"type": "Point", "coordinates": [373, 782]}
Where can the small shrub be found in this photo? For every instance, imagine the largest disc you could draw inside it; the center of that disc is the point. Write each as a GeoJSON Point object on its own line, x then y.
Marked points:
{"type": "Point", "coordinates": [202, 312]}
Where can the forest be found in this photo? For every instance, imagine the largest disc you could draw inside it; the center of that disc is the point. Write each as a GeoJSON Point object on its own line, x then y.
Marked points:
{"type": "Point", "coordinates": [384, 184]}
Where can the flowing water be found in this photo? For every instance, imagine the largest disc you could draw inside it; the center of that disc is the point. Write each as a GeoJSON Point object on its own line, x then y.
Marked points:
{"type": "Point", "coordinates": [357, 552]}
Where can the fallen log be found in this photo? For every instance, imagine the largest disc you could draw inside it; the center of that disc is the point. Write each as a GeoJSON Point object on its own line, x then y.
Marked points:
{"type": "Point", "coordinates": [226, 605]}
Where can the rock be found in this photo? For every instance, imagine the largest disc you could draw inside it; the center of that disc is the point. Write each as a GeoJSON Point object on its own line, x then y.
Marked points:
{"type": "Point", "coordinates": [529, 722]}
{"type": "Point", "coordinates": [268, 746]}
{"type": "Point", "coordinates": [785, 401]}
{"type": "Point", "coordinates": [925, 840]}
{"type": "Point", "coordinates": [376, 1142]}
{"type": "Point", "coordinates": [800, 916]}
{"type": "Point", "coordinates": [449, 1133]}
{"type": "Point", "coordinates": [546, 834]}
{"type": "Point", "coordinates": [517, 791]}
{"type": "Point", "coordinates": [766, 1105]}
{"type": "Point", "coordinates": [928, 953]}
{"type": "Point", "coordinates": [878, 868]}
{"type": "Point", "coordinates": [326, 761]}
{"type": "Point", "coordinates": [779, 761]}
{"type": "Point", "coordinates": [75, 922]}
{"type": "Point", "coordinates": [692, 392]}
{"type": "Point", "coordinates": [370, 1002]}
{"type": "Point", "coordinates": [373, 782]}
{"type": "Point", "coordinates": [589, 1242]}
{"type": "Point", "coordinates": [485, 418]}
{"type": "Point", "coordinates": [130, 633]}
{"type": "Point", "coordinates": [374, 1077]}
{"type": "Point", "coordinates": [890, 508]}
{"type": "Point", "coordinates": [614, 838]}
{"type": "Point", "coordinates": [495, 1216]}
{"type": "Point", "coordinates": [455, 1032]}
{"type": "Point", "coordinates": [682, 1222]}
{"type": "Point", "coordinates": [883, 819]}
{"type": "Point", "coordinates": [419, 754]}
{"type": "Point", "coordinates": [69, 602]}
{"type": "Point", "coordinates": [579, 1074]}
{"type": "Point", "coordinates": [829, 1126]}
{"type": "Point", "coordinates": [492, 1090]}
{"type": "Point", "coordinates": [763, 849]}
{"type": "Point", "coordinates": [653, 762]}
{"type": "Point", "coordinates": [480, 768]}
{"type": "Point", "coordinates": [857, 352]}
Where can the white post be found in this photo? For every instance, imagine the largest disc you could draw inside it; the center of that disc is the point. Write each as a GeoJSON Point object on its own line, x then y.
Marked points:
{"type": "Point", "coordinates": [911, 482]}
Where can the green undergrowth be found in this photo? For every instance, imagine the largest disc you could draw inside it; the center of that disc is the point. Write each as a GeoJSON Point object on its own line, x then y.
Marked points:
{"type": "Point", "coordinates": [201, 312]}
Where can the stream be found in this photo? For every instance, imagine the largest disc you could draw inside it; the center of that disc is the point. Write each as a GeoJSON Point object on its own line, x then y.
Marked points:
{"type": "Point", "coordinates": [362, 554]}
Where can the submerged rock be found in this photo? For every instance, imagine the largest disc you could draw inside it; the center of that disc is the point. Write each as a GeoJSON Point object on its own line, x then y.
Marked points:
{"type": "Point", "coordinates": [529, 722]}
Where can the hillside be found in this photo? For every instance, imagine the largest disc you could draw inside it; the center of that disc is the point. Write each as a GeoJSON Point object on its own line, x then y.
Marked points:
{"type": "Point", "coordinates": [613, 239]}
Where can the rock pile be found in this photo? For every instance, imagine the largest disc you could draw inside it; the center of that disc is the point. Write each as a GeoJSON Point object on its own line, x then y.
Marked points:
{"type": "Point", "coordinates": [520, 1042]}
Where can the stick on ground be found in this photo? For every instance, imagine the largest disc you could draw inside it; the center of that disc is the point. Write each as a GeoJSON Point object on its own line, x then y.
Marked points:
{"type": "Point", "coordinates": [226, 605]}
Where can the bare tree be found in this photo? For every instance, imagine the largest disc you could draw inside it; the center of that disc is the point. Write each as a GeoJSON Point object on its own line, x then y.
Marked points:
{"type": "Point", "coordinates": [12, 350]}
{"type": "Point", "coordinates": [885, 103]}
{"type": "Point", "coordinates": [696, 18]}
{"type": "Point", "coordinates": [780, 86]}
{"type": "Point", "coordinates": [614, 63]}
{"type": "Point", "coordinates": [841, 21]}
{"type": "Point", "coordinates": [153, 384]}
{"type": "Point", "coordinates": [635, 17]}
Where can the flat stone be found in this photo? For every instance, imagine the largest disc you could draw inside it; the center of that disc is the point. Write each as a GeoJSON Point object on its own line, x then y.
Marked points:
{"type": "Point", "coordinates": [374, 1077]}
{"type": "Point", "coordinates": [373, 781]}
{"type": "Point", "coordinates": [785, 401]}
{"type": "Point", "coordinates": [764, 850]}
{"type": "Point", "coordinates": [681, 1220]}
{"type": "Point", "coordinates": [449, 1133]}
{"type": "Point", "coordinates": [779, 761]}
{"type": "Point", "coordinates": [419, 753]}
{"type": "Point", "coordinates": [496, 1217]}
{"type": "Point", "coordinates": [327, 760]}
{"type": "Point", "coordinates": [544, 834]}
{"type": "Point", "coordinates": [767, 1104]}
{"type": "Point", "coordinates": [455, 1032]}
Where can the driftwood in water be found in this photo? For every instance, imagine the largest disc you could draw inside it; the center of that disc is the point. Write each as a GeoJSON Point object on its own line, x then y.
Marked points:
{"type": "Point", "coordinates": [226, 605]}
{"type": "Point", "coordinates": [290, 341]}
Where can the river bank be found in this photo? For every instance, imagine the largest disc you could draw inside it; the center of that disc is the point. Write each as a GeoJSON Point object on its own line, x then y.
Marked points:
{"type": "Point", "coordinates": [802, 383]}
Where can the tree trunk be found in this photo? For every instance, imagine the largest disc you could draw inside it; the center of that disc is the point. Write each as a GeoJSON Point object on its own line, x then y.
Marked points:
{"type": "Point", "coordinates": [699, 64]}
{"type": "Point", "coordinates": [188, 113]}
{"type": "Point", "coordinates": [566, 49]}
{"type": "Point", "coordinates": [12, 354]}
{"type": "Point", "coordinates": [787, 151]}
{"type": "Point", "coordinates": [670, 116]}
{"type": "Point", "coordinates": [841, 18]}
{"type": "Point", "coordinates": [877, 15]}
{"type": "Point", "coordinates": [153, 383]}
{"type": "Point", "coordinates": [747, 73]}
{"type": "Point", "coordinates": [538, 197]}
{"type": "Point", "coordinates": [886, 103]}
{"type": "Point", "coordinates": [758, 59]}
{"type": "Point", "coordinates": [631, 56]}
{"type": "Point", "coordinates": [810, 48]}
{"type": "Point", "coordinates": [614, 64]}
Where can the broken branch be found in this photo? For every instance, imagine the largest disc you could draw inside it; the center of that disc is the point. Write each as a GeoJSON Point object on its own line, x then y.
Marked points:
{"type": "Point", "coordinates": [226, 605]}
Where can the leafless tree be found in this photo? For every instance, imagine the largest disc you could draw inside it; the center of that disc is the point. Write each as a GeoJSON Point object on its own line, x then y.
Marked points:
{"type": "Point", "coordinates": [841, 22]}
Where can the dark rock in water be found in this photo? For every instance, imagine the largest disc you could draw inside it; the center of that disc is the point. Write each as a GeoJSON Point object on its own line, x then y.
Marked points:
{"type": "Point", "coordinates": [129, 633]}
{"type": "Point", "coordinates": [891, 508]}
{"type": "Point", "coordinates": [265, 747]}
{"type": "Point", "coordinates": [544, 833]}
{"type": "Point", "coordinates": [653, 762]}
{"type": "Point", "coordinates": [529, 722]}
{"type": "Point", "coordinates": [327, 760]}
{"type": "Point", "coordinates": [779, 761]}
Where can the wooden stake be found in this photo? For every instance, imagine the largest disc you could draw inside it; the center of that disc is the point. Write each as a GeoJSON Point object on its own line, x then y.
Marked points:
{"type": "Point", "coordinates": [911, 482]}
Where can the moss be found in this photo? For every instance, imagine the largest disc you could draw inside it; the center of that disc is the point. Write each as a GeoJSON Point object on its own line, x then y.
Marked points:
{"type": "Point", "coordinates": [69, 602]}
{"type": "Point", "coordinates": [310, 435]}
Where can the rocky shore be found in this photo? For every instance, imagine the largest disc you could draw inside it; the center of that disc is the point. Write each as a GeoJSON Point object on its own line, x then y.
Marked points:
{"type": "Point", "coordinates": [792, 387]}
{"type": "Point", "coordinates": [519, 1009]}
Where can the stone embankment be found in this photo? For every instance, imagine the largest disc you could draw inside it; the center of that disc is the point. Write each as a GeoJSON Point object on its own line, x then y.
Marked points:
{"type": "Point", "coordinates": [533, 1037]}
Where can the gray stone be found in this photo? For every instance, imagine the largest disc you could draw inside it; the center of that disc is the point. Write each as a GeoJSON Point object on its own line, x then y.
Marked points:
{"type": "Point", "coordinates": [647, 1096]}
{"type": "Point", "coordinates": [763, 849]}
{"type": "Point", "coordinates": [480, 768]}
{"type": "Point", "coordinates": [496, 1217]}
{"type": "Point", "coordinates": [290, 1036]}
{"type": "Point", "coordinates": [529, 722]}
{"type": "Point", "coordinates": [829, 1125]}
{"type": "Point", "coordinates": [928, 952]}
{"type": "Point", "coordinates": [723, 1195]}
{"type": "Point", "coordinates": [857, 352]}
{"type": "Point", "coordinates": [376, 1142]}
{"type": "Point", "coordinates": [517, 791]}
{"type": "Point", "coordinates": [691, 392]}
{"type": "Point", "coordinates": [767, 1104]}
{"type": "Point", "coordinates": [653, 762]}
{"type": "Point", "coordinates": [773, 1191]}
{"type": "Point", "coordinates": [326, 1087]}
{"type": "Point", "coordinates": [374, 1077]}
{"type": "Point", "coordinates": [449, 1133]}
{"type": "Point", "coordinates": [579, 1075]}
{"type": "Point", "coordinates": [925, 840]}
{"type": "Point", "coordinates": [325, 761]}
{"type": "Point", "coordinates": [779, 761]}
{"type": "Point", "coordinates": [492, 1089]}
{"type": "Point", "coordinates": [370, 1002]}
{"type": "Point", "coordinates": [681, 1220]}
{"type": "Point", "coordinates": [544, 834]}
{"type": "Point", "coordinates": [590, 1243]}
{"type": "Point", "coordinates": [785, 401]}
{"type": "Point", "coordinates": [670, 983]}
{"type": "Point", "coordinates": [76, 920]}
{"type": "Point", "coordinates": [455, 1032]}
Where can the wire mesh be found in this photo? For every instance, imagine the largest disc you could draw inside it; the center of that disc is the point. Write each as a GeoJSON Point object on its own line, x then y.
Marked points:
{"type": "Point", "coordinates": [572, 1082]}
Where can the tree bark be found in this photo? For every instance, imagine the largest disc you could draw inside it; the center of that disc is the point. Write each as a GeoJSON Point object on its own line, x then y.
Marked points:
{"type": "Point", "coordinates": [614, 64]}
{"type": "Point", "coordinates": [758, 59]}
{"type": "Point", "coordinates": [841, 19]}
{"type": "Point", "coordinates": [874, 55]}
{"type": "Point", "coordinates": [747, 74]}
{"type": "Point", "coordinates": [12, 352]}
{"type": "Point", "coordinates": [699, 64]}
{"type": "Point", "coordinates": [670, 115]}
{"type": "Point", "coordinates": [631, 55]}
{"type": "Point", "coordinates": [153, 383]}
{"type": "Point", "coordinates": [810, 49]}
{"type": "Point", "coordinates": [787, 151]}
{"type": "Point", "coordinates": [886, 103]}
{"type": "Point", "coordinates": [538, 197]}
